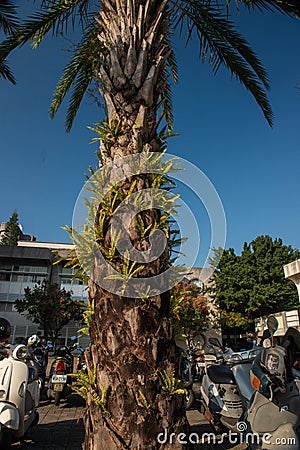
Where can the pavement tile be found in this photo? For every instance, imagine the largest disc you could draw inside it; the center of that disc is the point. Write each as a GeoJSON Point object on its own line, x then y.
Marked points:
{"type": "Point", "coordinates": [61, 428]}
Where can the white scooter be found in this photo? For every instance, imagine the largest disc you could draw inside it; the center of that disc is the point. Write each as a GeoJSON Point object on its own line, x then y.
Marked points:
{"type": "Point", "coordinates": [226, 391]}
{"type": "Point", "coordinates": [19, 393]}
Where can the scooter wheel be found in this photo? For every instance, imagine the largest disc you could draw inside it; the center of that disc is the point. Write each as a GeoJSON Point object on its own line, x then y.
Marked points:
{"type": "Point", "coordinates": [57, 398]}
{"type": "Point", "coordinates": [189, 397]}
{"type": "Point", "coordinates": [6, 438]}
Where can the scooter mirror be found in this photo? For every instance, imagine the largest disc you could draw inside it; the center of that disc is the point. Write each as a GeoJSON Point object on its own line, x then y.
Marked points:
{"type": "Point", "coordinates": [272, 324]}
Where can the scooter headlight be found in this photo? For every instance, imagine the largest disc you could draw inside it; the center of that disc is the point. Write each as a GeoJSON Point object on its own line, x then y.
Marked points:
{"type": "Point", "coordinates": [20, 352]}
{"type": "Point", "coordinates": [235, 358]}
{"type": "Point", "coordinates": [254, 353]}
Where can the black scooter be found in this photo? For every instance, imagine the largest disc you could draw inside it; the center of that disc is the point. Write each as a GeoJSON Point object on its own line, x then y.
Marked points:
{"type": "Point", "coordinates": [186, 375]}
{"type": "Point", "coordinates": [38, 352]}
{"type": "Point", "coordinates": [60, 371]}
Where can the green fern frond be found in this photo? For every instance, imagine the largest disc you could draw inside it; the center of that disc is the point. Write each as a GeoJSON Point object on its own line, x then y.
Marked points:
{"type": "Point", "coordinates": [170, 384]}
{"type": "Point", "coordinates": [88, 316]}
{"type": "Point", "coordinates": [144, 400]}
{"type": "Point", "coordinates": [87, 387]}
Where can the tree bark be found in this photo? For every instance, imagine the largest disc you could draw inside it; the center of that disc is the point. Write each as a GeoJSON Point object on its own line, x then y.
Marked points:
{"type": "Point", "coordinates": [132, 342]}
{"type": "Point", "coordinates": [132, 339]}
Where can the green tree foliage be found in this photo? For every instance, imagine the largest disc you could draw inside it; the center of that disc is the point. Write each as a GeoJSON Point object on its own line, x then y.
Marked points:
{"type": "Point", "coordinates": [190, 311]}
{"type": "Point", "coordinates": [50, 307]}
{"type": "Point", "coordinates": [12, 231]}
{"type": "Point", "coordinates": [253, 284]}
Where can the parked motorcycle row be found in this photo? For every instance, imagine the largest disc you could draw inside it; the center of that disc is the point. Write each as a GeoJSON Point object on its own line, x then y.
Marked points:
{"type": "Point", "coordinates": [23, 375]}
{"type": "Point", "coordinates": [255, 392]}
{"type": "Point", "coordinates": [257, 395]}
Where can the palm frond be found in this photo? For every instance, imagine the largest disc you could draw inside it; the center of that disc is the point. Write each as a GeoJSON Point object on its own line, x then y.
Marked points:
{"type": "Point", "coordinates": [79, 73]}
{"type": "Point", "coordinates": [6, 73]}
{"type": "Point", "coordinates": [221, 45]}
{"type": "Point", "coordinates": [166, 99]}
{"type": "Point", "coordinates": [290, 7]}
{"type": "Point", "coordinates": [57, 18]}
{"type": "Point", "coordinates": [8, 24]}
{"type": "Point", "coordinates": [8, 16]}
{"type": "Point", "coordinates": [170, 71]}
{"type": "Point", "coordinates": [54, 16]}
{"type": "Point", "coordinates": [172, 63]}
{"type": "Point", "coordinates": [80, 87]}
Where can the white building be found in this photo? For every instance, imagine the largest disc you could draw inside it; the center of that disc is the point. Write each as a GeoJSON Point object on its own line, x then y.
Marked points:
{"type": "Point", "coordinates": [292, 272]}
{"type": "Point", "coordinates": [24, 266]}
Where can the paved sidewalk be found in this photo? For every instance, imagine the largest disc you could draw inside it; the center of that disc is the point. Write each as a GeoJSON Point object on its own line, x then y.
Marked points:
{"type": "Point", "coordinates": [61, 428]}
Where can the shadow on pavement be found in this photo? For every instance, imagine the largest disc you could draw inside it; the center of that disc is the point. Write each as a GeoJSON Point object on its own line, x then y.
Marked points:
{"type": "Point", "coordinates": [208, 439]}
{"type": "Point", "coordinates": [68, 434]}
{"type": "Point", "coordinates": [59, 428]}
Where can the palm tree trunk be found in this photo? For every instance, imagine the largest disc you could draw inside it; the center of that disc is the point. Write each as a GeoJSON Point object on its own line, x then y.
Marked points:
{"type": "Point", "coordinates": [132, 339]}
{"type": "Point", "coordinates": [131, 343]}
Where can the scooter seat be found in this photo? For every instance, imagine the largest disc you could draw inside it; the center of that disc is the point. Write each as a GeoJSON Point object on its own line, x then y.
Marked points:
{"type": "Point", "coordinates": [220, 374]}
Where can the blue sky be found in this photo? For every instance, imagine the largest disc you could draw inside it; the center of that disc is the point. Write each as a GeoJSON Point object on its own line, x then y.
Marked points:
{"type": "Point", "coordinates": [254, 168]}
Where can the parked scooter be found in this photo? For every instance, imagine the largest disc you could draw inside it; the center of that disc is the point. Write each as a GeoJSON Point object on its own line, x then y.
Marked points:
{"type": "Point", "coordinates": [19, 389]}
{"type": "Point", "coordinates": [200, 366]}
{"type": "Point", "coordinates": [59, 377]}
{"type": "Point", "coordinates": [273, 416]}
{"type": "Point", "coordinates": [81, 366]}
{"type": "Point", "coordinates": [39, 353]}
{"type": "Point", "coordinates": [226, 391]}
{"type": "Point", "coordinates": [186, 375]}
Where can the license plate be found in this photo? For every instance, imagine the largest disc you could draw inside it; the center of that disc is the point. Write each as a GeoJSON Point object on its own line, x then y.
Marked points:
{"type": "Point", "coordinates": [59, 378]}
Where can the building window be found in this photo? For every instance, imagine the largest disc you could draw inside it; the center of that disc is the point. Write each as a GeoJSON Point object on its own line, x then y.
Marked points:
{"type": "Point", "coordinates": [30, 269]}
{"type": "Point", "coordinates": [67, 271]}
{"type": "Point", "coordinates": [5, 267]}
{"type": "Point", "coordinates": [66, 280]}
{"type": "Point", "coordinates": [4, 276]}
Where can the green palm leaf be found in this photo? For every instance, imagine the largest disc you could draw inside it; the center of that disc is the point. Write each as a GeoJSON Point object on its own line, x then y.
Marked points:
{"type": "Point", "coordinates": [8, 23]}
{"type": "Point", "coordinates": [79, 74]}
{"type": "Point", "coordinates": [166, 99]}
{"type": "Point", "coordinates": [8, 17]}
{"type": "Point", "coordinates": [291, 8]}
{"type": "Point", "coordinates": [6, 73]}
{"type": "Point", "coordinates": [171, 71]}
{"type": "Point", "coordinates": [53, 16]}
{"type": "Point", "coordinates": [221, 45]}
